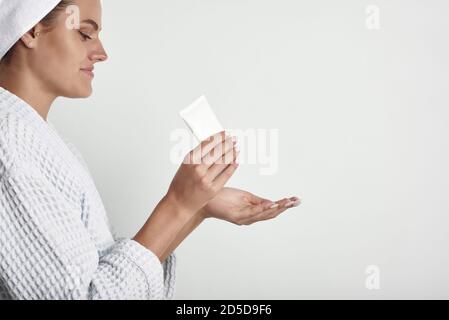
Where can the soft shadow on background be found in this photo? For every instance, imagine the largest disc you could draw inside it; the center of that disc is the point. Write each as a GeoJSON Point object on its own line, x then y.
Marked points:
{"type": "Point", "coordinates": [363, 119]}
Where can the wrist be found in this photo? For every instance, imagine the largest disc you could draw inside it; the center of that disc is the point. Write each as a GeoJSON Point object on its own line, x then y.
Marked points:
{"type": "Point", "coordinates": [170, 201]}
{"type": "Point", "coordinates": [163, 226]}
{"type": "Point", "coordinates": [203, 213]}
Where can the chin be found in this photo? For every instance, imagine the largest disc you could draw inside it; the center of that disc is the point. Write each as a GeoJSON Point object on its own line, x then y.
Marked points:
{"type": "Point", "coordinates": [86, 93]}
{"type": "Point", "coordinates": [82, 92]}
{"type": "Point", "coordinates": [80, 88]}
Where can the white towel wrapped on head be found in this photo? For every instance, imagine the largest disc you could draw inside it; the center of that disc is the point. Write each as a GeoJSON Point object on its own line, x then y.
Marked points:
{"type": "Point", "coordinates": [17, 17]}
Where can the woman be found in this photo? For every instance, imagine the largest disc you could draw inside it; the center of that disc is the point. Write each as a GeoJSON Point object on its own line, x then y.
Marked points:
{"type": "Point", "coordinates": [55, 240]}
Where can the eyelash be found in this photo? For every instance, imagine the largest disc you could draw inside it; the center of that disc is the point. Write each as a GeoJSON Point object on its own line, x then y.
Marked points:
{"type": "Point", "coordinates": [85, 36]}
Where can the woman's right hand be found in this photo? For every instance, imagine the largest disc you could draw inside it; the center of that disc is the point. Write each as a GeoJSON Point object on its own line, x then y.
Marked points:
{"type": "Point", "coordinates": [203, 173]}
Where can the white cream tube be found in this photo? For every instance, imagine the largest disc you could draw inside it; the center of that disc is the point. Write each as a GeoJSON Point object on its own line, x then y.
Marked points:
{"type": "Point", "coordinates": [201, 119]}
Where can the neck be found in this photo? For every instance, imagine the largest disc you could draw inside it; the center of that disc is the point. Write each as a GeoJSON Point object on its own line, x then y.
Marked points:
{"type": "Point", "coordinates": [26, 87]}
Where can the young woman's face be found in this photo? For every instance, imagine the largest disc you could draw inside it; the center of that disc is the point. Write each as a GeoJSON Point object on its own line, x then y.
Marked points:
{"type": "Point", "coordinates": [65, 56]}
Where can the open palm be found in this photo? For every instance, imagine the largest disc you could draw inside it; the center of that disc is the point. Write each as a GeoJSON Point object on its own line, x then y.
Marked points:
{"type": "Point", "coordinates": [244, 208]}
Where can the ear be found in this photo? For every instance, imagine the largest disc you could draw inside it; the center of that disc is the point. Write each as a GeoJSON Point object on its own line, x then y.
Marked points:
{"type": "Point", "coordinates": [30, 38]}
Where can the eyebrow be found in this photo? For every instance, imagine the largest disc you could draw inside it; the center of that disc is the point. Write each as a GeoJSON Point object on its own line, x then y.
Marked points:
{"type": "Point", "coordinates": [91, 22]}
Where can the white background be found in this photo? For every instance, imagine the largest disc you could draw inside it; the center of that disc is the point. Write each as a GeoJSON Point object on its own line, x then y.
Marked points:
{"type": "Point", "coordinates": [363, 118]}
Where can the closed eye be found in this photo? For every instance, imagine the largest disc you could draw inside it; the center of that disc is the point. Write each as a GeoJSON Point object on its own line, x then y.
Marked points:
{"type": "Point", "coordinates": [85, 36]}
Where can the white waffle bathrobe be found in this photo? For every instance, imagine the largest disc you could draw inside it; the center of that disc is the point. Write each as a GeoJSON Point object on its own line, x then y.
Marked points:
{"type": "Point", "coordinates": [55, 239]}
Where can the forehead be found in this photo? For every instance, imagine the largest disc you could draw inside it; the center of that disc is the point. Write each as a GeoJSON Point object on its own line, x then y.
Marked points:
{"type": "Point", "coordinates": [89, 10]}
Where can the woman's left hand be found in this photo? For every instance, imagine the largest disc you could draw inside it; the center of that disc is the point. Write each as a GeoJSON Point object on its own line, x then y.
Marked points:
{"type": "Point", "coordinates": [244, 208]}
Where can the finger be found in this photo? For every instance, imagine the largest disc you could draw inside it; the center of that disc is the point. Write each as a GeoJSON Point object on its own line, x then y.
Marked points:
{"type": "Point", "coordinates": [218, 167]}
{"type": "Point", "coordinates": [221, 180]}
{"type": "Point", "coordinates": [271, 216]}
{"type": "Point", "coordinates": [205, 146]}
{"type": "Point", "coordinates": [285, 202]}
{"type": "Point", "coordinates": [213, 141]}
{"type": "Point", "coordinates": [293, 202]}
{"type": "Point", "coordinates": [284, 206]}
{"type": "Point", "coordinates": [201, 157]}
{"type": "Point", "coordinates": [261, 211]}
{"type": "Point", "coordinates": [253, 210]}
{"type": "Point", "coordinates": [230, 156]}
{"type": "Point", "coordinates": [216, 154]}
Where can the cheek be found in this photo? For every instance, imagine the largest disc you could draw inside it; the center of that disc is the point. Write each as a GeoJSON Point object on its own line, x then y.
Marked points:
{"type": "Point", "coordinates": [66, 53]}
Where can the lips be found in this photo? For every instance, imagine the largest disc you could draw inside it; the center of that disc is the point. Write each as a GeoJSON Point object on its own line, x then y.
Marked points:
{"type": "Point", "coordinates": [88, 71]}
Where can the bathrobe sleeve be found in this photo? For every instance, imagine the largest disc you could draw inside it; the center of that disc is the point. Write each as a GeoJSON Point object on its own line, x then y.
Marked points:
{"type": "Point", "coordinates": [169, 265]}
{"type": "Point", "coordinates": [46, 251]}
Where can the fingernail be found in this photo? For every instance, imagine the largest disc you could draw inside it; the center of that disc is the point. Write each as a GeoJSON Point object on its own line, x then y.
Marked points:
{"type": "Point", "coordinates": [274, 206]}
{"type": "Point", "coordinates": [288, 204]}
{"type": "Point", "coordinates": [295, 203]}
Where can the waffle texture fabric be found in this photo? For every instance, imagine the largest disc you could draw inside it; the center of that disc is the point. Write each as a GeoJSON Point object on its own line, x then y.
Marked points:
{"type": "Point", "coordinates": [55, 238]}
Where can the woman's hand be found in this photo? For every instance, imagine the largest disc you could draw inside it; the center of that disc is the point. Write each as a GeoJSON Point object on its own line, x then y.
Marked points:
{"type": "Point", "coordinates": [204, 172]}
{"type": "Point", "coordinates": [243, 208]}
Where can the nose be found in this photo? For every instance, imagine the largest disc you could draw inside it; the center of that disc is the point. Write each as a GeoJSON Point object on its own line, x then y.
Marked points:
{"type": "Point", "coordinates": [98, 54]}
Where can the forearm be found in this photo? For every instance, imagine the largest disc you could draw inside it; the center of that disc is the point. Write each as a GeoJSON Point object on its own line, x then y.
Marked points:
{"type": "Point", "coordinates": [191, 225]}
{"type": "Point", "coordinates": [163, 227]}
